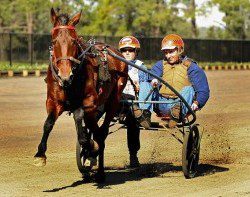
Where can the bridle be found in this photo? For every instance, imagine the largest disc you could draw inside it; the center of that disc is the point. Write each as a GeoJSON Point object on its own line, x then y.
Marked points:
{"type": "Point", "coordinates": [67, 57]}
{"type": "Point", "coordinates": [77, 62]}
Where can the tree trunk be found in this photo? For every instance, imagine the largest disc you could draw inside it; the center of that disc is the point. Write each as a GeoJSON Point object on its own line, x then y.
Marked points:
{"type": "Point", "coordinates": [29, 21]}
{"type": "Point", "coordinates": [193, 19]}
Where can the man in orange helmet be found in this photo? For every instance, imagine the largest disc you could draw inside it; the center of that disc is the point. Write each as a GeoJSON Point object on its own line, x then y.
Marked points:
{"type": "Point", "coordinates": [129, 46]}
{"type": "Point", "coordinates": [181, 73]}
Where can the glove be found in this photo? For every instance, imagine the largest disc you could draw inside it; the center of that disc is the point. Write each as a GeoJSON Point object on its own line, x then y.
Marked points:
{"type": "Point", "coordinates": [195, 106]}
{"type": "Point", "coordinates": [154, 83]}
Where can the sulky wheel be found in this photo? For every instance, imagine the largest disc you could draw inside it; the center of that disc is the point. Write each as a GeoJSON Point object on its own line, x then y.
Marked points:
{"type": "Point", "coordinates": [190, 151]}
{"type": "Point", "coordinates": [80, 160]}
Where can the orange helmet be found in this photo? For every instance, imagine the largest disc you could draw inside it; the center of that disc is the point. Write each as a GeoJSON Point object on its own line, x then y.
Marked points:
{"type": "Point", "coordinates": [172, 41]}
{"type": "Point", "coordinates": [129, 41]}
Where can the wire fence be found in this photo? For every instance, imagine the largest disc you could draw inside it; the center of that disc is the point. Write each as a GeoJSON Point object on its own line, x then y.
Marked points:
{"type": "Point", "coordinates": [34, 48]}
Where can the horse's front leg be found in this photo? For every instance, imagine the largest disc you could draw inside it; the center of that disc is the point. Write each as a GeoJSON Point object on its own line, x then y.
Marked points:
{"type": "Point", "coordinates": [88, 145]}
{"type": "Point", "coordinates": [82, 133]}
{"type": "Point", "coordinates": [97, 145]}
{"type": "Point", "coordinates": [53, 114]}
{"type": "Point", "coordinates": [100, 136]}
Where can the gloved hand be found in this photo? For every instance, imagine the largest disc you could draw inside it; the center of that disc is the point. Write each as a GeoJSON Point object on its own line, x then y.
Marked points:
{"type": "Point", "coordinates": [195, 106]}
{"type": "Point", "coordinates": [154, 83]}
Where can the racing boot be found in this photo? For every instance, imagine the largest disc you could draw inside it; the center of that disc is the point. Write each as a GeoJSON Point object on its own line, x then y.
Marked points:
{"type": "Point", "coordinates": [133, 161]}
{"type": "Point", "coordinates": [145, 119]}
{"type": "Point", "coordinates": [136, 111]}
{"type": "Point", "coordinates": [174, 116]}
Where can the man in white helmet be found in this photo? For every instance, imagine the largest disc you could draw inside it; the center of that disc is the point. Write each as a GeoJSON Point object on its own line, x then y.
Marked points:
{"type": "Point", "coordinates": [183, 74]}
{"type": "Point", "coordinates": [129, 46]}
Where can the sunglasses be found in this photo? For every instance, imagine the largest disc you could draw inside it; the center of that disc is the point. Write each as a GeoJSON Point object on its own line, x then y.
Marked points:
{"type": "Point", "coordinates": [128, 49]}
{"type": "Point", "coordinates": [170, 50]}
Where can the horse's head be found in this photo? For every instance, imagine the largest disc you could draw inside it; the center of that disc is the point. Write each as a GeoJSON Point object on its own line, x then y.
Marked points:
{"type": "Point", "coordinates": [65, 45]}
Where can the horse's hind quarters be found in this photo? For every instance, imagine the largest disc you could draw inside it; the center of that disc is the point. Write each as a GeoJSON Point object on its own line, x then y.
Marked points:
{"type": "Point", "coordinates": [40, 161]}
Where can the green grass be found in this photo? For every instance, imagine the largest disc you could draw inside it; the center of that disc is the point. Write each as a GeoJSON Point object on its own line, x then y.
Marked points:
{"type": "Point", "coordinates": [4, 66]}
{"type": "Point", "coordinates": [150, 63]}
{"type": "Point", "coordinates": [222, 63]}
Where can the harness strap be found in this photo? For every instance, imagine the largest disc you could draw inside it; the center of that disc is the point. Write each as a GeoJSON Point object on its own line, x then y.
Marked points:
{"type": "Point", "coordinates": [54, 74]}
{"type": "Point", "coordinates": [63, 27]}
{"type": "Point", "coordinates": [134, 86]}
{"type": "Point", "coordinates": [85, 51]}
{"type": "Point", "coordinates": [69, 58]}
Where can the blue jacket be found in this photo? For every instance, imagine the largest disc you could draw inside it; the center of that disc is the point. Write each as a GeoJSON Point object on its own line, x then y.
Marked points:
{"type": "Point", "coordinates": [196, 76]}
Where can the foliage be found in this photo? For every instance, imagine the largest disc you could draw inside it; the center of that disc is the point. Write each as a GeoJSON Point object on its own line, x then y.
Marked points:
{"type": "Point", "coordinates": [153, 18]}
{"type": "Point", "coordinates": [4, 66]}
{"type": "Point", "coordinates": [24, 15]}
{"type": "Point", "coordinates": [237, 18]}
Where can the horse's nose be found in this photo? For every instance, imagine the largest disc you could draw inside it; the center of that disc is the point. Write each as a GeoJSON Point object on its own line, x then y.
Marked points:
{"type": "Point", "coordinates": [65, 77]}
{"type": "Point", "coordinates": [70, 76]}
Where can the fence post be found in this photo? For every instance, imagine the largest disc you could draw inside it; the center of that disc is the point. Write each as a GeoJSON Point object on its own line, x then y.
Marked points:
{"type": "Point", "coordinates": [10, 45]}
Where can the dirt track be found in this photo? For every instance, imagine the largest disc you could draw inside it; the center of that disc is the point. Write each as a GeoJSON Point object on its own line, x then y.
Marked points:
{"type": "Point", "coordinates": [225, 150]}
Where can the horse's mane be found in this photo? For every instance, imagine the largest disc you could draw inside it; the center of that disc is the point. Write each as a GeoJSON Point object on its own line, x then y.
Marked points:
{"type": "Point", "coordinates": [63, 19]}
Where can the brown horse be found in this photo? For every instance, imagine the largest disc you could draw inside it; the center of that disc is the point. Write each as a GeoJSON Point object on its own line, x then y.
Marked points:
{"type": "Point", "coordinates": [74, 84]}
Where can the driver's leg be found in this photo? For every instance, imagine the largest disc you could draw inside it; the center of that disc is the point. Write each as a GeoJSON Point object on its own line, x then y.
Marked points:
{"type": "Point", "coordinates": [188, 94]}
{"type": "Point", "coordinates": [147, 108]}
{"type": "Point", "coordinates": [133, 140]}
{"type": "Point", "coordinates": [171, 108]}
{"type": "Point", "coordinates": [145, 88]}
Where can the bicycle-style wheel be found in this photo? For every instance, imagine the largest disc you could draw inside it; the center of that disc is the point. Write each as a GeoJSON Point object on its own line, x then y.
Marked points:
{"type": "Point", "coordinates": [190, 152]}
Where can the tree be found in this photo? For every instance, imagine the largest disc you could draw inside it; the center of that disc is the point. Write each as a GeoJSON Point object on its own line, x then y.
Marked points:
{"type": "Point", "coordinates": [33, 16]}
{"type": "Point", "coordinates": [98, 18]}
{"type": "Point", "coordinates": [154, 18]}
{"type": "Point", "coordinates": [190, 11]}
{"type": "Point", "coordinates": [141, 18]}
{"type": "Point", "coordinates": [9, 17]}
{"type": "Point", "coordinates": [236, 17]}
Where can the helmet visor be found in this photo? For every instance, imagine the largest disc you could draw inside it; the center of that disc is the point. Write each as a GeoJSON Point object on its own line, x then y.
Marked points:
{"type": "Point", "coordinates": [168, 47]}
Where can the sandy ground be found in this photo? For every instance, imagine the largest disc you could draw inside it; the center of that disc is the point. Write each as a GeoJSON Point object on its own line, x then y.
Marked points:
{"type": "Point", "coordinates": [224, 168]}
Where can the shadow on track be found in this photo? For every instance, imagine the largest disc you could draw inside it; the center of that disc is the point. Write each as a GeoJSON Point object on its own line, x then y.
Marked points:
{"type": "Point", "coordinates": [116, 176]}
{"type": "Point", "coordinates": [207, 169]}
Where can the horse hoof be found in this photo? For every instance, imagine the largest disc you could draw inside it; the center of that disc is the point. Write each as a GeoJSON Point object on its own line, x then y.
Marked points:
{"type": "Point", "coordinates": [86, 177]}
{"type": "Point", "coordinates": [40, 161]}
{"type": "Point", "coordinates": [94, 146]}
{"type": "Point", "coordinates": [90, 162]}
{"type": "Point", "coordinates": [100, 177]}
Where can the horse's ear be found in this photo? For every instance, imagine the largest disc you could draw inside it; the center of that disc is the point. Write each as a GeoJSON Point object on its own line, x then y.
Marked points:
{"type": "Point", "coordinates": [75, 19]}
{"type": "Point", "coordinates": [53, 16]}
